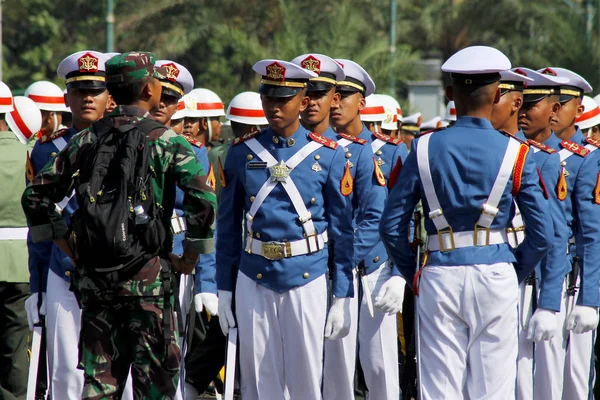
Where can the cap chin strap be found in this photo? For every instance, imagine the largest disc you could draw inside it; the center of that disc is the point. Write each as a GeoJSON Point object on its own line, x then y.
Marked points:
{"type": "Point", "coordinates": [55, 118]}
{"type": "Point", "coordinates": [209, 129]}
{"type": "Point", "coordinates": [377, 130]}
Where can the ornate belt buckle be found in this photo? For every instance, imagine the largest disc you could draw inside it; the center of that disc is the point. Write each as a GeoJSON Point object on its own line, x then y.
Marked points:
{"type": "Point", "coordinates": [272, 251]}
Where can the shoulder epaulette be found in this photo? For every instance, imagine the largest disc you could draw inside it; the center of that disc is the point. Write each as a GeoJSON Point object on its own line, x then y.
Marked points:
{"type": "Point", "coordinates": [541, 146]}
{"type": "Point", "coordinates": [247, 136]}
{"type": "Point", "coordinates": [593, 142]}
{"type": "Point", "coordinates": [575, 148]}
{"type": "Point", "coordinates": [387, 138]}
{"type": "Point", "coordinates": [354, 139]}
{"type": "Point", "coordinates": [323, 140]}
{"type": "Point", "coordinates": [509, 135]}
{"type": "Point", "coordinates": [431, 131]}
{"type": "Point", "coordinates": [193, 141]}
{"type": "Point", "coordinates": [54, 135]}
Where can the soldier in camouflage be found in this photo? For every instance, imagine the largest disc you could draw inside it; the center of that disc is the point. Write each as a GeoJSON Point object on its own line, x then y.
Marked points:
{"type": "Point", "coordinates": [131, 324]}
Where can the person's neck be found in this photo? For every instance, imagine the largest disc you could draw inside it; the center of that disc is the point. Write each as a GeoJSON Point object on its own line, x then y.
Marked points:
{"type": "Point", "coordinates": [144, 105]}
{"type": "Point", "coordinates": [289, 130]}
{"type": "Point", "coordinates": [541, 136]}
{"type": "Point", "coordinates": [567, 133]}
{"type": "Point", "coordinates": [318, 128]}
{"type": "Point", "coordinates": [81, 125]}
{"type": "Point", "coordinates": [353, 128]}
{"type": "Point", "coordinates": [3, 126]}
{"type": "Point", "coordinates": [201, 136]}
{"type": "Point", "coordinates": [511, 126]}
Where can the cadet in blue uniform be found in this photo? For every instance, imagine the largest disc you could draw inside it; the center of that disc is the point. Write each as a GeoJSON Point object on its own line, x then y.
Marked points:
{"type": "Point", "coordinates": [468, 176]}
{"type": "Point", "coordinates": [49, 266]}
{"type": "Point", "coordinates": [550, 273]}
{"type": "Point", "coordinates": [291, 212]}
{"type": "Point", "coordinates": [580, 318]}
{"type": "Point", "coordinates": [374, 329]}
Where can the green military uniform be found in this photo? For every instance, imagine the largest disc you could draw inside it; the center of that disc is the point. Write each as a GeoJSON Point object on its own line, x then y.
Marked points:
{"type": "Point", "coordinates": [14, 275]}
{"type": "Point", "coordinates": [218, 152]}
{"type": "Point", "coordinates": [131, 324]}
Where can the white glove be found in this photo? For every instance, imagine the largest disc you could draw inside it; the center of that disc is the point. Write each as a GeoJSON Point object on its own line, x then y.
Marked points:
{"type": "Point", "coordinates": [338, 319]}
{"type": "Point", "coordinates": [31, 307]}
{"type": "Point", "coordinates": [391, 295]}
{"type": "Point", "coordinates": [226, 317]}
{"type": "Point", "coordinates": [542, 325]}
{"type": "Point", "coordinates": [208, 300]}
{"type": "Point", "coordinates": [582, 319]}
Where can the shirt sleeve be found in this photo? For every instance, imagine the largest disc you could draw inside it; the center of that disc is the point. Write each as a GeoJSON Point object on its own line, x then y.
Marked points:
{"type": "Point", "coordinates": [199, 199]}
{"type": "Point", "coordinates": [338, 209]}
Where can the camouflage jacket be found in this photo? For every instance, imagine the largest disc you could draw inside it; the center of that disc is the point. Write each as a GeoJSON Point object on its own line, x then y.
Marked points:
{"type": "Point", "coordinates": [173, 160]}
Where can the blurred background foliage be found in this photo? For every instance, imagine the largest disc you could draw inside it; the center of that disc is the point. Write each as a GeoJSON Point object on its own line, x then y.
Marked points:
{"type": "Point", "coordinates": [219, 40]}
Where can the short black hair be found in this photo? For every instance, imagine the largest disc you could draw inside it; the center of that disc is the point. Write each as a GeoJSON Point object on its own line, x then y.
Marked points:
{"type": "Point", "coordinates": [475, 95]}
{"type": "Point", "coordinates": [126, 93]}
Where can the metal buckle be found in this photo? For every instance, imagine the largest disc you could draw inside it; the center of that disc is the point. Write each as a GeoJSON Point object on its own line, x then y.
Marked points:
{"type": "Point", "coordinates": [249, 242]}
{"type": "Point", "coordinates": [307, 237]}
{"type": "Point", "coordinates": [476, 234]}
{"type": "Point", "coordinates": [444, 232]}
{"type": "Point", "coordinates": [272, 251]}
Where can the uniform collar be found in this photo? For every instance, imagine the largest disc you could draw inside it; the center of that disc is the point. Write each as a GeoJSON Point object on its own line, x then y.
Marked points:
{"type": "Point", "coordinates": [578, 136]}
{"type": "Point", "coordinates": [366, 134]}
{"type": "Point", "coordinates": [473, 122]}
{"type": "Point", "coordinates": [279, 141]}
{"type": "Point", "coordinates": [553, 141]}
{"type": "Point", "coordinates": [521, 135]}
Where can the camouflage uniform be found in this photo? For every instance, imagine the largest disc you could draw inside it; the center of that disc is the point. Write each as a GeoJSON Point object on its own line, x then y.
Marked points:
{"type": "Point", "coordinates": [124, 325]}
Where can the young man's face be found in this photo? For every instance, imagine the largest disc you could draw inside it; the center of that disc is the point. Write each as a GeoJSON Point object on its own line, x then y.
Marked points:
{"type": "Point", "coordinates": [503, 110]}
{"type": "Point", "coordinates": [347, 109]}
{"type": "Point", "coordinates": [87, 105]}
{"type": "Point", "coordinates": [566, 115]}
{"type": "Point", "coordinates": [535, 117]}
{"type": "Point", "coordinates": [319, 105]}
{"type": "Point", "coordinates": [282, 112]}
{"type": "Point", "coordinates": [167, 108]}
{"type": "Point", "coordinates": [51, 120]}
{"type": "Point", "coordinates": [191, 126]}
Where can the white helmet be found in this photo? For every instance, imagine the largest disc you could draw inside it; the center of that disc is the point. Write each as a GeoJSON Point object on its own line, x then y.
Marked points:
{"type": "Point", "coordinates": [374, 110]}
{"type": "Point", "coordinates": [6, 98]}
{"type": "Point", "coordinates": [591, 114]}
{"type": "Point", "coordinates": [208, 104]}
{"type": "Point", "coordinates": [450, 111]}
{"type": "Point", "coordinates": [393, 112]}
{"type": "Point", "coordinates": [246, 108]}
{"type": "Point", "coordinates": [25, 120]}
{"type": "Point", "coordinates": [47, 96]}
{"type": "Point", "coordinates": [181, 111]}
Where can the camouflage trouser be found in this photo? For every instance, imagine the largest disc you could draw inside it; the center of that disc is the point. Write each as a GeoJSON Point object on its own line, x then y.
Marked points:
{"type": "Point", "coordinates": [129, 332]}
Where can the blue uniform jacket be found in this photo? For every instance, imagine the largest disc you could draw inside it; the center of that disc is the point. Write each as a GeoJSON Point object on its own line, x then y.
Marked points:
{"type": "Point", "coordinates": [465, 160]}
{"type": "Point", "coordinates": [368, 200]}
{"type": "Point", "coordinates": [390, 157]}
{"type": "Point", "coordinates": [46, 255]}
{"type": "Point", "coordinates": [276, 220]}
{"type": "Point", "coordinates": [584, 219]}
{"type": "Point", "coordinates": [555, 265]}
{"type": "Point", "coordinates": [205, 268]}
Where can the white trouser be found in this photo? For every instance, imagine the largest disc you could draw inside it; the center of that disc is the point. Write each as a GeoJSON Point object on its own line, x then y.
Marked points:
{"type": "Point", "coordinates": [186, 296]}
{"type": "Point", "coordinates": [281, 340]}
{"type": "Point", "coordinates": [63, 323]}
{"type": "Point", "coordinates": [564, 364]}
{"type": "Point", "coordinates": [378, 349]}
{"type": "Point", "coordinates": [525, 353]}
{"type": "Point", "coordinates": [467, 324]}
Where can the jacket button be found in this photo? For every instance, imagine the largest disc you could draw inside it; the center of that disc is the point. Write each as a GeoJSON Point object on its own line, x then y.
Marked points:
{"type": "Point", "coordinates": [67, 273]}
{"type": "Point", "coordinates": [376, 259]}
{"type": "Point", "coordinates": [305, 275]}
{"type": "Point", "coordinates": [249, 157]}
{"type": "Point", "coordinates": [252, 199]}
{"type": "Point", "coordinates": [259, 276]}
{"type": "Point", "coordinates": [257, 235]}
{"type": "Point", "coordinates": [313, 200]}
{"type": "Point", "coordinates": [53, 154]}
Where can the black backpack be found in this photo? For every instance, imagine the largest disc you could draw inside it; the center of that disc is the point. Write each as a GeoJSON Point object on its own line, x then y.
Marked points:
{"type": "Point", "coordinates": [114, 177]}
